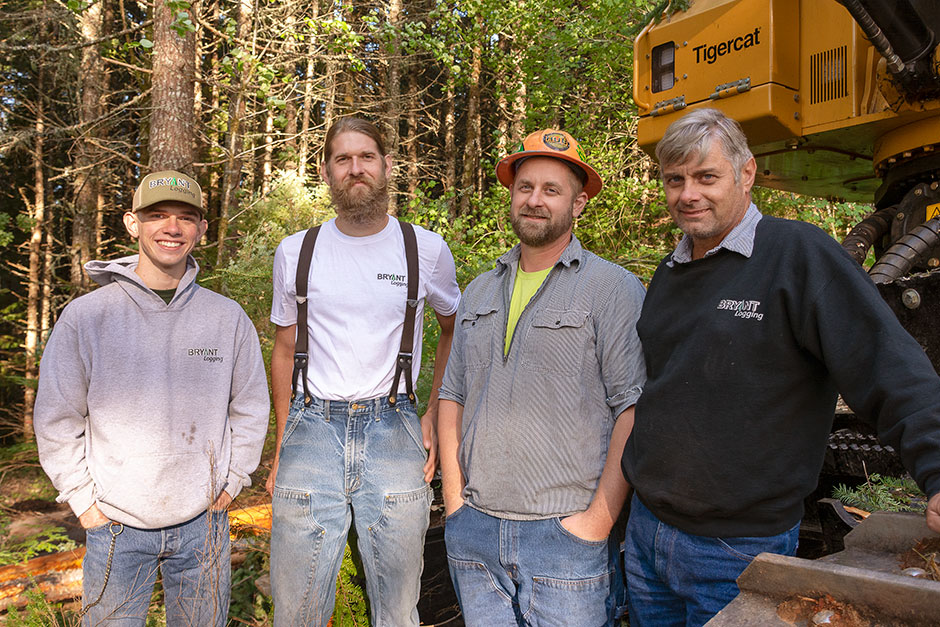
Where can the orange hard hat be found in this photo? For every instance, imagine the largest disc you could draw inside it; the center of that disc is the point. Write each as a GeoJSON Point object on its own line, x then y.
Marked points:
{"type": "Point", "coordinates": [550, 143]}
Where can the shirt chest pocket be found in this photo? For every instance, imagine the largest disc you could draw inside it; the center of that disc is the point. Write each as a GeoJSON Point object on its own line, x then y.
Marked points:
{"type": "Point", "coordinates": [480, 331]}
{"type": "Point", "coordinates": [557, 341]}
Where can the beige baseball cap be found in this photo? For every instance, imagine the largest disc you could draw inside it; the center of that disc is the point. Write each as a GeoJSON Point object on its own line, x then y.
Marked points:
{"type": "Point", "coordinates": [167, 185]}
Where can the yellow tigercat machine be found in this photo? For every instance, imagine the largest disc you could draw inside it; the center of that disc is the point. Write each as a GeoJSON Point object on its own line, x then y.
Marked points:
{"type": "Point", "coordinates": [839, 99]}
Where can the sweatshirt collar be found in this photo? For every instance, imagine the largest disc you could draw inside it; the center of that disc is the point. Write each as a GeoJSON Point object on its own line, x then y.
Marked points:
{"type": "Point", "coordinates": [740, 240]}
{"type": "Point", "coordinates": [122, 271]}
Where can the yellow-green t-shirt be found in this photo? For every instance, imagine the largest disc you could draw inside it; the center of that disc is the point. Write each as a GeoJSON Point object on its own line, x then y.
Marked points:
{"type": "Point", "coordinates": [525, 287]}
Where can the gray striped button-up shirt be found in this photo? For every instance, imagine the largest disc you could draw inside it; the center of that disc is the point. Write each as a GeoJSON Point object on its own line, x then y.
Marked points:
{"type": "Point", "coordinates": [537, 422]}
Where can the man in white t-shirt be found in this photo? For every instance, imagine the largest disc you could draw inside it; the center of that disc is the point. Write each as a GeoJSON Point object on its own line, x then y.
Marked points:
{"type": "Point", "coordinates": [348, 452]}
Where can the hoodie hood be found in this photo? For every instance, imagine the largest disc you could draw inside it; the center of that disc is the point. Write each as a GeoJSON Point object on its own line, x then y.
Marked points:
{"type": "Point", "coordinates": [122, 271]}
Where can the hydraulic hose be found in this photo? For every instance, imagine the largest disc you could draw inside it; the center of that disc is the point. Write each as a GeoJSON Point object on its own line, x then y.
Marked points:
{"type": "Point", "coordinates": [864, 234]}
{"type": "Point", "coordinates": [901, 257]}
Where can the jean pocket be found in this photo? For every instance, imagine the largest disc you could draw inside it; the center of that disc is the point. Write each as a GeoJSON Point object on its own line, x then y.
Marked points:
{"type": "Point", "coordinates": [294, 416]}
{"type": "Point", "coordinates": [98, 528]}
{"type": "Point", "coordinates": [748, 547]}
{"type": "Point", "coordinates": [405, 510]}
{"type": "Point", "coordinates": [294, 508]}
{"type": "Point", "coordinates": [412, 424]}
{"type": "Point", "coordinates": [570, 601]}
{"type": "Point", "coordinates": [564, 532]}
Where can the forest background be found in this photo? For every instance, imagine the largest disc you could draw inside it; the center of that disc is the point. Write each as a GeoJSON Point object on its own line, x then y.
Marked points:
{"type": "Point", "coordinates": [239, 94]}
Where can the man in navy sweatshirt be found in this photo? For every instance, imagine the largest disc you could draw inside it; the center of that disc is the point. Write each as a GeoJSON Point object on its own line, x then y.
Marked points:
{"type": "Point", "coordinates": [750, 329]}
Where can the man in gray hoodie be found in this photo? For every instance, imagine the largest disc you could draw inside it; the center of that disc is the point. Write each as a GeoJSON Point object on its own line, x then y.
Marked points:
{"type": "Point", "coordinates": [150, 415]}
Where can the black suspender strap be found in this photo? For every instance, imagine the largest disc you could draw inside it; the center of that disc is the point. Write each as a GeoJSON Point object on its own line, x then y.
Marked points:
{"type": "Point", "coordinates": [406, 350]}
{"type": "Point", "coordinates": [405, 358]}
{"type": "Point", "coordinates": [301, 357]}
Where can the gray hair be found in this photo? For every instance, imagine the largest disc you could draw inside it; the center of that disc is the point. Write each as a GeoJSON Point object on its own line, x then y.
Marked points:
{"type": "Point", "coordinates": [693, 133]}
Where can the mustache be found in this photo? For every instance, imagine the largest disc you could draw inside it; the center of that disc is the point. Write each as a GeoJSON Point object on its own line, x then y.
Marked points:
{"type": "Point", "coordinates": [533, 213]}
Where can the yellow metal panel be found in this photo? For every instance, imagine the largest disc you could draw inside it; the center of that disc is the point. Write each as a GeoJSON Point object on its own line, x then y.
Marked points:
{"type": "Point", "coordinates": [835, 65]}
{"type": "Point", "coordinates": [908, 142]}
{"type": "Point", "coordinates": [767, 113]}
{"type": "Point", "coordinates": [725, 51]}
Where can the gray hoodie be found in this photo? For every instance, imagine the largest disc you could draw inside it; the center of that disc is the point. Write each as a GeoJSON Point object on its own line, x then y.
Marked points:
{"type": "Point", "coordinates": [147, 409]}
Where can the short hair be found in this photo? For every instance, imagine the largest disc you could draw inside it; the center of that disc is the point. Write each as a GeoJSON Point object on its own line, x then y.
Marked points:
{"type": "Point", "coordinates": [693, 133]}
{"type": "Point", "coordinates": [355, 125]}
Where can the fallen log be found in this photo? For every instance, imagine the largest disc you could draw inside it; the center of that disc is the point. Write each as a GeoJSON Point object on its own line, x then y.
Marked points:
{"type": "Point", "coordinates": [59, 575]}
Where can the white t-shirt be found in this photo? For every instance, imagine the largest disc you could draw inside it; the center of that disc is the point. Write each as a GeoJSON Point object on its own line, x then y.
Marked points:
{"type": "Point", "coordinates": [356, 305]}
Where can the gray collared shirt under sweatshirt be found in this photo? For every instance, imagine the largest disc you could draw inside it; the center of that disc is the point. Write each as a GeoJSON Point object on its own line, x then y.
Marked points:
{"type": "Point", "coordinates": [739, 240]}
{"type": "Point", "coordinates": [537, 422]}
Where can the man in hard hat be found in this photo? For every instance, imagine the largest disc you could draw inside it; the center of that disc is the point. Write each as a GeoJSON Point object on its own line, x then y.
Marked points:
{"type": "Point", "coordinates": [543, 374]}
{"type": "Point", "coordinates": [150, 415]}
{"type": "Point", "coordinates": [751, 328]}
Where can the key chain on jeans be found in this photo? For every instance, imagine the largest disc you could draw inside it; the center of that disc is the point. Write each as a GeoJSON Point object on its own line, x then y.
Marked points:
{"type": "Point", "coordinates": [107, 568]}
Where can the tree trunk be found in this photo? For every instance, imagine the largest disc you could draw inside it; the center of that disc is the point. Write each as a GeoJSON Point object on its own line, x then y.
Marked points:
{"type": "Point", "coordinates": [414, 133]}
{"type": "Point", "coordinates": [393, 120]}
{"type": "Point", "coordinates": [34, 276]}
{"type": "Point", "coordinates": [86, 184]}
{"type": "Point", "coordinates": [234, 143]}
{"type": "Point", "coordinates": [267, 166]}
{"type": "Point", "coordinates": [450, 144]}
{"type": "Point", "coordinates": [312, 46]}
{"type": "Point", "coordinates": [172, 127]}
{"type": "Point", "coordinates": [472, 150]}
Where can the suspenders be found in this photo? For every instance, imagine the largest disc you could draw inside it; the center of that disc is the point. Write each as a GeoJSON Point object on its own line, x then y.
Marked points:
{"type": "Point", "coordinates": [405, 351]}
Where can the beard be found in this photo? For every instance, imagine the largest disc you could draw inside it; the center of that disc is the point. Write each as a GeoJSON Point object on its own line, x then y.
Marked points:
{"type": "Point", "coordinates": [537, 235]}
{"type": "Point", "coordinates": [360, 204]}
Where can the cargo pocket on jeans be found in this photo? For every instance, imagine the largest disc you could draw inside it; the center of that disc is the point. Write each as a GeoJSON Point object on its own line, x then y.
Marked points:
{"type": "Point", "coordinates": [574, 601]}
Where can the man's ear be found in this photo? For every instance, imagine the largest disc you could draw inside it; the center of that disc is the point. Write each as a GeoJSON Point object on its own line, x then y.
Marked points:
{"type": "Point", "coordinates": [325, 172]}
{"type": "Point", "coordinates": [388, 166]}
{"type": "Point", "coordinates": [748, 172]}
{"type": "Point", "coordinates": [578, 206]}
{"type": "Point", "coordinates": [131, 224]}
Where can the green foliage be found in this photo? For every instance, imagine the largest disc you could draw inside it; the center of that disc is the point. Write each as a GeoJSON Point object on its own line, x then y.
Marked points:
{"type": "Point", "coordinates": [39, 612]}
{"type": "Point", "coordinates": [47, 539]}
{"type": "Point", "coordinates": [289, 207]}
{"type": "Point", "coordinates": [249, 606]}
{"type": "Point", "coordinates": [351, 608]}
{"type": "Point", "coordinates": [879, 493]}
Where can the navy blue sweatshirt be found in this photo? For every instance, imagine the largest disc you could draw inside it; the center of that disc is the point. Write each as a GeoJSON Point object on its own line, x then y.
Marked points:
{"type": "Point", "coordinates": [744, 359]}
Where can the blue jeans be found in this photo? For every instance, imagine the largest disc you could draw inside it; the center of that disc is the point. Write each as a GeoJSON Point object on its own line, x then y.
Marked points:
{"type": "Point", "coordinates": [533, 572]}
{"type": "Point", "coordinates": [675, 578]}
{"type": "Point", "coordinates": [193, 558]}
{"type": "Point", "coordinates": [340, 462]}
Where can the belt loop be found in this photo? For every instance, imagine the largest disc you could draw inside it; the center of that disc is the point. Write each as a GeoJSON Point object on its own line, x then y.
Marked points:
{"type": "Point", "coordinates": [326, 409]}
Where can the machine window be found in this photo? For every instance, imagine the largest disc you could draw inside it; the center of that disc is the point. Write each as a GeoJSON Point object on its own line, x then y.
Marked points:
{"type": "Point", "coordinates": [664, 66]}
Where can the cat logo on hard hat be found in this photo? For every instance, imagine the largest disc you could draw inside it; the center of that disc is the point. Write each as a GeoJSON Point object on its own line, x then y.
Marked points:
{"type": "Point", "coordinates": [555, 141]}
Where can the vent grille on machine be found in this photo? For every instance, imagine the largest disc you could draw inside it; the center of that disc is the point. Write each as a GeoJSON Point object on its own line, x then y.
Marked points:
{"type": "Point", "coordinates": [828, 75]}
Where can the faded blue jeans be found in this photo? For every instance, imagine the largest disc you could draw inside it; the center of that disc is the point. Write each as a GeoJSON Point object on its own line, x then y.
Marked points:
{"type": "Point", "coordinates": [193, 558]}
{"type": "Point", "coordinates": [678, 579]}
{"type": "Point", "coordinates": [340, 462]}
{"type": "Point", "coordinates": [531, 572]}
